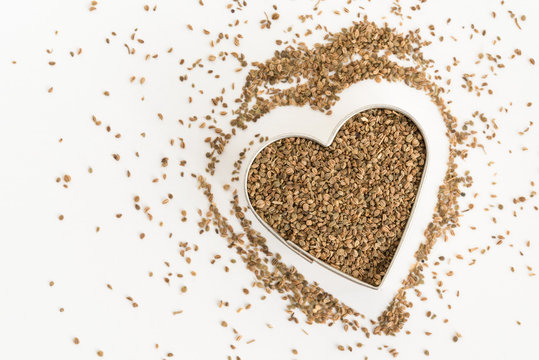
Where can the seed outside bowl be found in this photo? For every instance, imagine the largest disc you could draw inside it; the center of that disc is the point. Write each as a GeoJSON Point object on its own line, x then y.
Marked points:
{"type": "Point", "coordinates": [295, 248]}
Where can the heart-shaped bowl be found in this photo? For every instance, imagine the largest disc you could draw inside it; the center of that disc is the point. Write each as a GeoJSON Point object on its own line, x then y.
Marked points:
{"type": "Point", "coordinates": [298, 250]}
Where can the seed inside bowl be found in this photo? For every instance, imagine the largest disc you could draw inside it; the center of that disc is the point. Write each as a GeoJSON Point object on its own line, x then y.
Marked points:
{"type": "Point", "coordinates": [347, 204]}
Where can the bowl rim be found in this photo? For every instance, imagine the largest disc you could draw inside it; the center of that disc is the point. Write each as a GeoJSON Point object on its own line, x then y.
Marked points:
{"type": "Point", "coordinates": [295, 248]}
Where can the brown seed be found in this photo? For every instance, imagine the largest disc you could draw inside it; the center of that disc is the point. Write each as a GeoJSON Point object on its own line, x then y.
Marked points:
{"type": "Point", "coordinates": [310, 201]}
{"type": "Point", "coordinates": [307, 63]}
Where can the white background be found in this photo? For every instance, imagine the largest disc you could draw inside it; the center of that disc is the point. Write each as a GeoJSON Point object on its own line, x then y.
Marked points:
{"type": "Point", "coordinates": [36, 248]}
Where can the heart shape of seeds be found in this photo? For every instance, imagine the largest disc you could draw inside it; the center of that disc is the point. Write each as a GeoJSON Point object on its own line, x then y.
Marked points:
{"type": "Point", "coordinates": [346, 205]}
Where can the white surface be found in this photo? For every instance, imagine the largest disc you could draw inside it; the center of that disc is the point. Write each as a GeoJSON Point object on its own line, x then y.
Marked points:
{"type": "Point", "coordinates": [35, 247]}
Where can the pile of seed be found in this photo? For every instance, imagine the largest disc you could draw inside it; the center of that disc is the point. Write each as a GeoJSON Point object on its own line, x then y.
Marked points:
{"type": "Point", "coordinates": [347, 204]}
{"type": "Point", "coordinates": [347, 57]}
